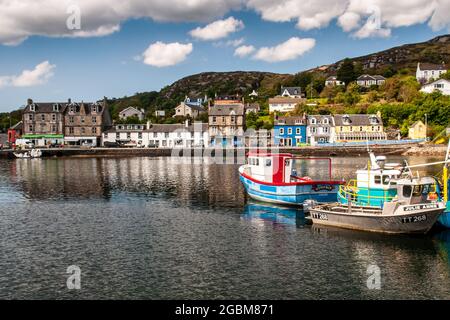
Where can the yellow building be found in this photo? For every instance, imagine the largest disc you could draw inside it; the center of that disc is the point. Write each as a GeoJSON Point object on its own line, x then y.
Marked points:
{"type": "Point", "coordinates": [358, 127]}
{"type": "Point", "coordinates": [418, 131]}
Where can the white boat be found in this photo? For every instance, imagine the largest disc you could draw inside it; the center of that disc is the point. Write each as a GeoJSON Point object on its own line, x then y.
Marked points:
{"type": "Point", "coordinates": [410, 211]}
{"type": "Point", "coordinates": [34, 153]}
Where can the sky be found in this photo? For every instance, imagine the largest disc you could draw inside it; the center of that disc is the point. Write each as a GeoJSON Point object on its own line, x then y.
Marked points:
{"type": "Point", "coordinates": [52, 50]}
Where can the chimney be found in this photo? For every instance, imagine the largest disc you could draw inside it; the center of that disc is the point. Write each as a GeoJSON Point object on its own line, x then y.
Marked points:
{"type": "Point", "coordinates": [149, 125]}
{"type": "Point", "coordinates": [187, 123]}
{"type": "Point", "coordinates": [69, 101]}
{"type": "Point", "coordinates": [29, 102]}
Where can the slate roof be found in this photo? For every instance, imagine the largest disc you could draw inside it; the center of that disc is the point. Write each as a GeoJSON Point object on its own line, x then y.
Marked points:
{"type": "Point", "coordinates": [285, 100]}
{"type": "Point", "coordinates": [431, 66]}
{"type": "Point", "coordinates": [293, 91]}
{"type": "Point", "coordinates": [227, 110]}
{"type": "Point", "coordinates": [320, 120]}
{"type": "Point", "coordinates": [195, 107]}
{"type": "Point", "coordinates": [46, 107]}
{"type": "Point", "coordinates": [357, 120]}
{"type": "Point", "coordinates": [290, 121]}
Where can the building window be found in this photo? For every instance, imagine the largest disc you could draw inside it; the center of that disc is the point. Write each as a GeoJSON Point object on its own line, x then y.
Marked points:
{"type": "Point", "coordinates": [233, 119]}
{"type": "Point", "coordinates": [313, 121]}
{"type": "Point", "coordinates": [33, 107]}
{"type": "Point", "coordinates": [128, 135]}
{"type": "Point", "coordinates": [42, 117]}
{"type": "Point", "coordinates": [140, 135]}
{"type": "Point", "coordinates": [214, 119]}
{"type": "Point", "coordinates": [289, 130]}
{"type": "Point", "coordinates": [361, 129]}
{"type": "Point", "coordinates": [155, 134]}
{"type": "Point", "coordinates": [313, 129]}
{"type": "Point", "coordinates": [30, 117]}
{"type": "Point", "coordinates": [71, 119]}
{"type": "Point", "coordinates": [55, 107]}
{"type": "Point", "coordinates": [297, 131]}
{"type": "Point", "coordinates": [53, 117]}
{"type": "Point", "coordinates": [82, 119]}
{"type": "Point", "coordinates": [53, 128]}
{"type": "Point", "coordinates": [166, 135]}
{"type": "Point", "coordinates": [94, 130]}
{"type": "Point", "coordinates": [83, 130]}
{"type": "Point", "coordinates": [281, 131]}
{"type": "Point", "coordinates": [71, 130]}
{"type": "Point", "coordinates": [31, 128]}
{"type": "Point", "coordinates": [106, 135]}
{"type": "Point", "coordinates": [94, 119]}
{"type": "Point", "coordinates": [117, 135]}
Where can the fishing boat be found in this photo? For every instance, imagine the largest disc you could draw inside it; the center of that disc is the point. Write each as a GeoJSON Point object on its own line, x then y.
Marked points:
{"type": "Point", "coordinates": [410, 211]}
{"type": "Point", "coordinates": [34, 153]}
{"type": "Point", "coordinates": [273, 178]}
{"type": "Point", "coordinates": [444, 219]}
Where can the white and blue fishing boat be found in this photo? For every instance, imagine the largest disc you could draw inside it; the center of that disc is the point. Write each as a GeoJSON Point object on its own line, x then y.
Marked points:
{"type": "Point", "coordinates": [273, 178]}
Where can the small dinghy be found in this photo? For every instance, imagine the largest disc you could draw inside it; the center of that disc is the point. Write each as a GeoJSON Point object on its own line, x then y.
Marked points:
{"type": "Point", "coordinates": [34, 153]}
{"type": "Point", "coordinates": [273, 178]}
{"type": "Point", "coordinates": [410, 211]}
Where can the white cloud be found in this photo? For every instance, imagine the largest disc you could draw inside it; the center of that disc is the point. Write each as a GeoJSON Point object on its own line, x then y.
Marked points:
{"type": "Point", "coordinates": [356, 15]}
{"type": "Point", "coordinates": [235, 43]}
{"type": "Point", "coordinates": [29, 78]}
{"type": "Point", "coordinates": [244, 51]}
{"type": "Point", "coordinates": [161, 54]}
{"type": "Point", "coordinates": [217, 29]}
{"type": "Point", "coordinates": [20, 19]}
{"type": "Point", "coordinates": [289, 50]}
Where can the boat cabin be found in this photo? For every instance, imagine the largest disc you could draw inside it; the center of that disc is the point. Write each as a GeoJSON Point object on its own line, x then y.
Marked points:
{"type": "Point", "coordinates": [271, 168]}
{"type": "Point", "coordinates": [417, 190]}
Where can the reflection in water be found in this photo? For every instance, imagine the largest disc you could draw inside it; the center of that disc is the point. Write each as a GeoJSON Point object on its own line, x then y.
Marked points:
{"type": "Point", "coordinates": [156, 228]}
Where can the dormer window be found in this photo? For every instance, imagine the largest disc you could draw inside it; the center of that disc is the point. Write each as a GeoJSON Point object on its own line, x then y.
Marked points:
{"type": "Point", "coordinates": [56, 108]}
{"type": "Point", "coordinates": [373, 120]}
{"type": "Point", "coordinates": [325, 121]}
{"type": "Point", "coordinates": [94, 108]}
{"type": "Point", "coordinates": [32, 107]}
{"type": "Point", "coordinates": [298, 122]}
{"type": "Point", "coordinates": [72, 109]}
{"type": "Point", "coordinates": [346, 119]}
{"type": "Point", "coordinates": [313, 121]}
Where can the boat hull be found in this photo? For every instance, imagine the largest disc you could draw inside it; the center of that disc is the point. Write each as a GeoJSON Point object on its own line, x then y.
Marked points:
{"type": "Point", "coordinates": [290, 194]}
{"type": "Point", "coordinates": [402, 223]}
{"type": "Point", "coordinates": [444, 219]}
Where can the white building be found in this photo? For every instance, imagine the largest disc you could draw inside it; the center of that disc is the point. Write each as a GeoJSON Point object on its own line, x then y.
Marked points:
{"type": "Point", "coordinates": [132, 112]}
{"type": "Point", "coordinates": [333, 81]}
{"type": "Point", "coordinates": [157, 135]}
{"type": "Point", "coordinates": [282, 104]}
{"type": "Point", "coordinates": [320, 129]}
{"type": "Point", "coordinates": [291, 92]}
{"type": "Point", "coordinates": [441, 85]}
{"type": "Point", "coordinates": [427, 72]}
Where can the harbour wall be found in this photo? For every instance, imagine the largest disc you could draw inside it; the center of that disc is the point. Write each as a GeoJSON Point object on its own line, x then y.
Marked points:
{"type": "Point", "coordinates": [429, 150]}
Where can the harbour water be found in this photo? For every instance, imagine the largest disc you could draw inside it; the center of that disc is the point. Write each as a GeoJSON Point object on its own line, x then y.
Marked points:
{"type": "Point", "coordinates": [163, 228]}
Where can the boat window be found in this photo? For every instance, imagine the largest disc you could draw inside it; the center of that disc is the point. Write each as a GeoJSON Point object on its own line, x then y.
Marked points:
{"type": "Point", "coordinates": [268, 163]}
{"type": "Point", "coordinates": [427, 189]}
{"type": "Point", "coordinates": [257, 162]}
{"type": "Point", "coordinates": [418, 191]}
{"type": "Point", "coordinates": [287, 162]}
{"type": "Point", "coordinates": [386, 180]}
{"type": "Point", "coordinates": [407, 190]}
{"type": "Point", "coordinates": [377, 179]}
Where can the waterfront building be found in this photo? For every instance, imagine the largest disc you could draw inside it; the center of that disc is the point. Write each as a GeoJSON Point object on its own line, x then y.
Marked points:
{"type": "Point", "coordinates": [427, 72]}
{"type": "Point", "coordinates": [290, 131]}
{"type": "Point", "coordinates": [157, 135]}
{"type": "Point", "coordinates": [15, 132]}
{"type": "Point", "coordinates": [333, 81]}
{"type": "Point", "coordinates": [132, 112]}
{"type": "Point", "coordinates": [189, 109]}
{"type": "Point", "coordinates": [282, 104]}
{"type": "Point", "coordinates": [367, 80]}
{"type": "Point", "coordinates": [227, 124]}
{"type": "Point", "coordinates": [418, 130]}
{"type": "Point", "coordinates": [84, 123]}
{"type": "Point", "coordinates": [441, 85]}
{"type": "Point", "coordinates": [320, 129]}
{"type": "Point", "coordinates": [358, 127]}
{"type": "Point", "coordinates": [43, 122]}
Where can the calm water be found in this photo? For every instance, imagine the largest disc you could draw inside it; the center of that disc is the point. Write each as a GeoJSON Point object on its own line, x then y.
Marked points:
{"type": "Point", "coordinates": [144, 228]}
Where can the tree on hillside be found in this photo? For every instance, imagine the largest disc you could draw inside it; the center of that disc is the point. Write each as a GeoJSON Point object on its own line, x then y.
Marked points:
{"type": "Point", "coordinates": [446, 75]}
{"type": "Point", "coordinates": [346, 72]}
{"type": "Point", "coordinates": [351, 97]}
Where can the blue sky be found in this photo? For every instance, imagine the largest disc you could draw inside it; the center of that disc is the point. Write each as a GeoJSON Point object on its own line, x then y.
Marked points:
{"type": "Point", "coordinates": [88, 68]}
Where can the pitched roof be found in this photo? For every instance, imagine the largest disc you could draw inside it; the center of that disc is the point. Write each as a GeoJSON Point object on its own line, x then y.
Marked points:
{"type": "Point", "coordinates": [285, 100]}
{"type": "Point", "coordinates": [195, 107]}
{"type": "Point", "coordinates": [357, 119]}
{"type": "Point", "coordinates": [227, 110]}
{"type": "Point", "coordinates": [46, 107]}
{"type": "Point", "coordinates": [320, 119]}
{"type": "Point", "coordinates": [331, 78]}
{"type": "Point", "coordinates": [88, 106]}
{"type": "Point", "coordinates": [431, 66]}
{"type": "Point", "coordinates": [132, 108]}
{"type": "Point", "coordinates": [290, 121]}
{"type": "Point", "coordinates": [293, 91]}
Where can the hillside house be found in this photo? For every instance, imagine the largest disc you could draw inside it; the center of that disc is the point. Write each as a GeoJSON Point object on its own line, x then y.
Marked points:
{"type": "Point", "coordinates": [132, 112]}
{"type": "Point", "coordinates": [367, 80]}
{"type": "Point", "coordinates": [333, 81]}
{"type": "Point", "coordinates": [320, 129]}
{"type": "Point", "coordinates": [441, 85]}
{"type": "Point", "coordinates": [427, 72]}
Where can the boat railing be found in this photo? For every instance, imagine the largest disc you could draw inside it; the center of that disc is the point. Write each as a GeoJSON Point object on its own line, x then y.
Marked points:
{"type": "Point", "coordinates": [355, 194]}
